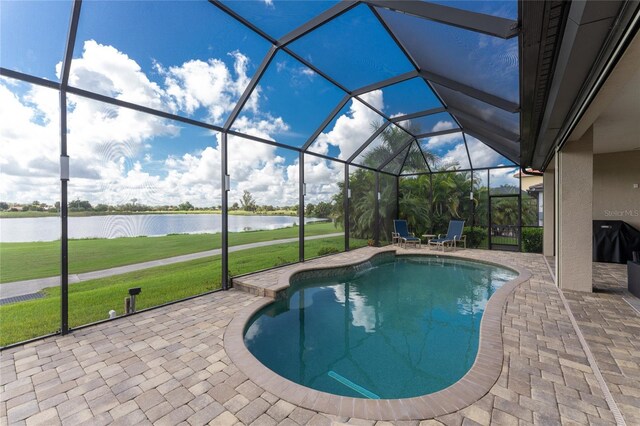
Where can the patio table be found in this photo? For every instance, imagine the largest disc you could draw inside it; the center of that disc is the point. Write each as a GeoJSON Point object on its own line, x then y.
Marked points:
{"type": "Point", "coordinates": [428, 237]}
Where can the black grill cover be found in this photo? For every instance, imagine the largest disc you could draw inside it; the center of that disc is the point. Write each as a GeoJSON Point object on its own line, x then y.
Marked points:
{"type": "Point", "coordinates": [614, 241]}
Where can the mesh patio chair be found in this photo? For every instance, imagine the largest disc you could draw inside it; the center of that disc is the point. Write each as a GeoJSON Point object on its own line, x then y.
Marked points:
{"type": "Point", "coordinates": [454, 235]}
{"type": "Point", "coordinates": [403, 235]}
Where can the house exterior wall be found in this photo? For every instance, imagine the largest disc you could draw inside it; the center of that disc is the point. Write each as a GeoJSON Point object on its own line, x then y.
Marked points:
{"type": "Point", "coordinates": [529, 181]}
{"type": "Point", "coordinates": [614, 195]}
{"type": "Point", "coordinates": [549, 212]}
{"type": "Point", "coordinates": [575, 228]}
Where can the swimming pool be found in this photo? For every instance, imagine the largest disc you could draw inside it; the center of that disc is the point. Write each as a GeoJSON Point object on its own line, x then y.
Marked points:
{"type": "Point", "coordinates": [405, 327]}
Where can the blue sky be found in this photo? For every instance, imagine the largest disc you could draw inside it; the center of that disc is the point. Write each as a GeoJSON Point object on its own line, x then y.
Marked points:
{"type": "Point", "coordinates": [33, 36]}
{"type": "Point", "coordinates": [501, 8]}
{"type": "Point", "coordinates": [309, 98]}
{"type": "Point", "coordinates": [354, 49]}
{"type": "Point", "coordinates": [191, 59]}
{"type": "Point", "coordinates": [397, 102]}
{"type": "Point", "coordinates": [278, 17]}
{"type": "Point", "coordinates": [487, 63]}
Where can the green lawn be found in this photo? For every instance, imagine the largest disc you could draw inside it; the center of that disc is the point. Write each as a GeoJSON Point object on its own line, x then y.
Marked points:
{"type": "Point", "coordinates": [512, 241]}
{"type": "Point", "coordinates": [23, 261]}
{"type": "Point", "coordinates": [91, 301]}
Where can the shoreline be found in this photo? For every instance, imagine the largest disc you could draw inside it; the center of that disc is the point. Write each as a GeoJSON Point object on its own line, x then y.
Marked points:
{"type": "Point", "coordinates": [36, 214]}
{"type": "Point", "coordinates": [171, 234]}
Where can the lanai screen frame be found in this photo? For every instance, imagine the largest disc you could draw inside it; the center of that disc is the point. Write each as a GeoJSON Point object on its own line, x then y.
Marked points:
{"type": "Point", "coordinates": [490, 135]}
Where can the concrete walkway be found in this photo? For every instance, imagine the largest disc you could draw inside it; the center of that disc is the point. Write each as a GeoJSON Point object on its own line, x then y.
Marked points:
{"type": "Point", "coordinates": [21, 288]}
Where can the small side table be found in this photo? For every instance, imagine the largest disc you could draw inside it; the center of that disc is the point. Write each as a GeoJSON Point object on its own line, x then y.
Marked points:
{"type": "Point", "coordinates": [428, 237]}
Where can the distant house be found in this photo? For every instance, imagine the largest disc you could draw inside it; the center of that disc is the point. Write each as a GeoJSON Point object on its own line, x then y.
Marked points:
{"type": "Point", "coordinates": [532, 184]}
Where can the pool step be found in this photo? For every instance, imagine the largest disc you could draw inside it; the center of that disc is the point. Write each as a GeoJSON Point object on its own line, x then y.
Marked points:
{"type": "Point", "coordinates": [354, 386]}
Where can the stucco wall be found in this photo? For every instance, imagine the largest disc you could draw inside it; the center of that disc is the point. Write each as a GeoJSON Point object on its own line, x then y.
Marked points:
{"type": "Point", "coordinates": [549, 248]}
{"type": "Point", "coordinates": [528, 181]}
{"type": "Point", "coordinates": [614, 197]}
{"type": "Point", "coordinates": [575, 175]}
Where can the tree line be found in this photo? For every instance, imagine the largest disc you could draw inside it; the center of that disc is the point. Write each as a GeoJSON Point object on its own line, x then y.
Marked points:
{"type": "Point", "coordinates": [427, 201]}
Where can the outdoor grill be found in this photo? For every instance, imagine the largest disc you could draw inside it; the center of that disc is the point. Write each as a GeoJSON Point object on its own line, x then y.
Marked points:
{"type": "Point", "coordinates": [614, 241]}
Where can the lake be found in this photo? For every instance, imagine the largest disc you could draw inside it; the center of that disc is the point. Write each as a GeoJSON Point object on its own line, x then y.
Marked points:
{"type": "Point", "coordinates": [31, 229]}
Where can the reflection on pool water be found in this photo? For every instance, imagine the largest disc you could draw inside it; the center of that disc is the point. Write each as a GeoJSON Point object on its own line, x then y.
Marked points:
{"type": "Point", "coordinates": [405, 328]}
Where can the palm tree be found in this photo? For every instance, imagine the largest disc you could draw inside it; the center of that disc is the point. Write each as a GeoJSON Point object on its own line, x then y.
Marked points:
{"type": "Point", "coordinates": [450, 198]}
{"type": "Point", "coordinates": [428, 203]}
{"type": "Point", "coordinates": [389, 143]}
{"type": "Point", "coordinates": [415, 202]}
{"type": "Point", "coordinates": [361, 204]}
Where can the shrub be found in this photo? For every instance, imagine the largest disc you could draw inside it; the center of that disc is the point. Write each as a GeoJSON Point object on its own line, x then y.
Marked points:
{"type": "Point", "coordinates": [475, 236]}
{"type": "Point", "coordinates": [324, 250]}
{"type": "Point", "coordinates": [532, 240]}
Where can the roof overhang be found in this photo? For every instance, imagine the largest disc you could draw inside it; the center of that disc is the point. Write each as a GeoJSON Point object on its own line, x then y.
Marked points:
{"type": "Point", "coordinates": [576, 46]}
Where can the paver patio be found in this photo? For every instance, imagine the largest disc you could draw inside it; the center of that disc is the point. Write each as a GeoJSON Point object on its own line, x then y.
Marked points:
{"type": "Point", "coordinates": [169, 365]}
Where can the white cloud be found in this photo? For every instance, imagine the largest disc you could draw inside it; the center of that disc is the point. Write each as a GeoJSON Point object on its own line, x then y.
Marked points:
{"type": "Point", "coordinates": [321, 177]}
{"type": "Point", "coordinates": [437, 142]}
{"type": "Point", "coordinates": [457, 155]}
{"type": "Point", "coordinates": [209, 85]}
{"type": "Point", "coordinates": [481, 154]}
{"type": "Point", "coordinates": [353, 128]}
{"type": "Point", "coordinates": [118, 154]}
{"type": "Point", "coordinates": [29, 140]}
{"type": "Point", "coordinates": [106, 70]}
{"type": "Point", "coordinates": [240, 65]}
{"type": "Point", "coordinates": [443, 125]}
{"type": "Point", "coordinates": [504, 176]}
{"type": "Point", "coordinates": [308, 72]}
{"type": "Point", "coordinates": [262, 128]}
{"type": "Point", "coordinates": [194, 85]}
{"type": "Point", "coordinates": [185, 84]}
{"type": "Point", "coordinates": [297, 74]}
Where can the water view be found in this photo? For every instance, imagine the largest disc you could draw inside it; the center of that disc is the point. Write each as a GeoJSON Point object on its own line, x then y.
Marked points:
{"type": "Point", "coordinates": [48, 228]}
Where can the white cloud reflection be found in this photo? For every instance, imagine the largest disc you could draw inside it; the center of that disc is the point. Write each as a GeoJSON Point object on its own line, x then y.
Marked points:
{"type": "Point", "coordinates": [363, 314]}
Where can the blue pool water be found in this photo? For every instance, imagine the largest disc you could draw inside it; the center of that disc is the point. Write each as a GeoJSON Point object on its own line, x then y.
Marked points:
{"type": "Point", "coordinates": [404, 328]}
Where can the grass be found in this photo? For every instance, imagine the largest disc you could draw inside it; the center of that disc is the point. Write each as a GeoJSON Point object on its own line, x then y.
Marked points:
{"type": "Point", "coordinates": [24, 261]}
{"type": "Point", "coordinates": [91, 301]}
{"type": "Point", "coordinates": [513, 241]}
{"type": "Point", "coordinates": [18, 215]}
{"type": "Point", "coordinates": [333, 245]}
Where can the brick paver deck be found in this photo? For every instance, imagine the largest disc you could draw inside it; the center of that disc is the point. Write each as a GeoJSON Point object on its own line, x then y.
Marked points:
{"type": "Point", "coordinates": [612, 330]}
{"type": "Point", "coordinates": [169, 366]}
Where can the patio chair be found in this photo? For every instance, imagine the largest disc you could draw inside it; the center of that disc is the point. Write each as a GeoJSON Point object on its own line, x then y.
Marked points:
{"type": "Point", "coordinates": [403, 235]}
{"type": "Point", "coordinates": [454, 235]}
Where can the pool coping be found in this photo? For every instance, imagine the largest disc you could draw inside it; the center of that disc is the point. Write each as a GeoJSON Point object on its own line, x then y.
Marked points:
{"type": "Point", "coordinates": [476, 383]}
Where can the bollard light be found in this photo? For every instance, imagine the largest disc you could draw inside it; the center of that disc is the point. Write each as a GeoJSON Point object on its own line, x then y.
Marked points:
{"type": "Point", "coordinates": [133, 292]}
